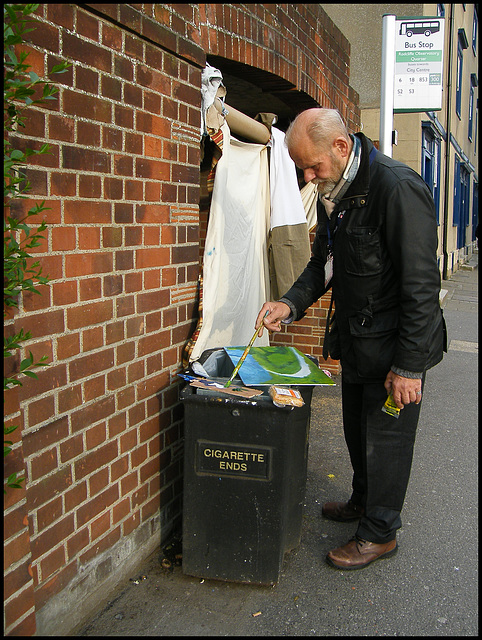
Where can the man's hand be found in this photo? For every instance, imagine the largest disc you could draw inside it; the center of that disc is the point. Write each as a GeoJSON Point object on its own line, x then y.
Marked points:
{"type": "Point", "coordinates": [404, 390]}
{"type": "Point", "coordinates": [277, 311]}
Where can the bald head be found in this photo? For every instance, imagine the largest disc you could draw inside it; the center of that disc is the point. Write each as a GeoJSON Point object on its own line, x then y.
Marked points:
{"type": "Point", "coordinates": [321, 126]}
{"type": "Point", "coordinates": [319, 144]}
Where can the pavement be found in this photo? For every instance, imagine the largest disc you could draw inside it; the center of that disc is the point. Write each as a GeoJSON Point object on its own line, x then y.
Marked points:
{"type": "Point", "coordinates": [429, 588]}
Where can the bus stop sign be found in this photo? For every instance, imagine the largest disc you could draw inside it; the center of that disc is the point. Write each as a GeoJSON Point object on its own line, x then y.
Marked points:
{"type": "Point", "coordinates": [419, 47]}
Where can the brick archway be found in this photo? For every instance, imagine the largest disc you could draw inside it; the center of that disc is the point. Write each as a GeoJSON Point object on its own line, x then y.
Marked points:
{"type": "Point", "coordinates": [295, 51]}
{"type": "Point", "coordinates": [252, 90]}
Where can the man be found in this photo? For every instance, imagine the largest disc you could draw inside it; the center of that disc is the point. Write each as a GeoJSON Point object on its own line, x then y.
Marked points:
{"type": "Point", "coordinates": [375, 245]}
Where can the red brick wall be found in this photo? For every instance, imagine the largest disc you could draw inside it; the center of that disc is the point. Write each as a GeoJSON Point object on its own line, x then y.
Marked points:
{"type": "Point", "coordinates": [101, 429]}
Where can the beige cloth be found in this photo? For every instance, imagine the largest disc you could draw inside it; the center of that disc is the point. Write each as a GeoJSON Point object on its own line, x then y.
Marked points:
{"type": "Point", "coordinates": [289, 253]}
{"type": "Point", "coordinates": [235, 266]}
{"type": "Point", "coordinates": [289, 246]}
{"type": "Point", "coordinates": [309, 196]}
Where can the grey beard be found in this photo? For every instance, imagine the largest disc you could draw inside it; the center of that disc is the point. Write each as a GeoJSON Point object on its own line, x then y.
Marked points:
{"type": "Point", "coordinates": [325, 186]}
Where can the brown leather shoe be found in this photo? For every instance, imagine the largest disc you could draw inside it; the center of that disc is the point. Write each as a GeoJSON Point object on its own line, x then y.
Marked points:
{"type": "Point", "coordinates": [342, 511]}
{"type": "Point", "coordinates": [359, 553]}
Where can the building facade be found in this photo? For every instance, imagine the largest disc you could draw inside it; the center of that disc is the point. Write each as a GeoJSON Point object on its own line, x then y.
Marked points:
{"type": "Point", "coordinates": [100, 436]}
{"type": "Point", "coordinates": [440, 145]}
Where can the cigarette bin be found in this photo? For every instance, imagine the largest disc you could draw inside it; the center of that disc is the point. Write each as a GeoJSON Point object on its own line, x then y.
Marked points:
{"type": "Point", "coordinates": [245, 465]}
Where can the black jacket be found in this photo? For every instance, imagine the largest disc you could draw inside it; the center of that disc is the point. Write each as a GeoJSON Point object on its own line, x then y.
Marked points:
{"type": "Point", "coordinates": [386, 281]}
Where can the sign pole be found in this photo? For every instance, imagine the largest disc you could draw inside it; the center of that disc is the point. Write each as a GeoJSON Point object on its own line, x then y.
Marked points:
{"type": "Point", "coordinates": [387, 84]}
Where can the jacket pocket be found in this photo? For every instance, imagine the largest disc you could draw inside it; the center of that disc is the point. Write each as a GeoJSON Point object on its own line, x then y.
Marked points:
{"type": "Point", "coordinates": [438, 341]}
{"type": "Point", "coordinates": [374, 345]}
{"type": "Point", "coordinates": [363, 256]}
{"type": "Point", "coordinates": [333, 339]}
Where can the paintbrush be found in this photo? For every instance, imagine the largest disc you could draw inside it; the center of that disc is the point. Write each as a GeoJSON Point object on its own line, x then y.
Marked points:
{"type": "Point", "coordinates": [245, 353]}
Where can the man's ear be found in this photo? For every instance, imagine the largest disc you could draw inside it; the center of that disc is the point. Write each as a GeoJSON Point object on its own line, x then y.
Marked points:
{"type": "Point", "coordinates": [341, 144]}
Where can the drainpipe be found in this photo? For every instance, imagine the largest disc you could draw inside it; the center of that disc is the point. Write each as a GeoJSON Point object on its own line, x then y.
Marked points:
{"type": "Point", "coordinates": [447, 146]}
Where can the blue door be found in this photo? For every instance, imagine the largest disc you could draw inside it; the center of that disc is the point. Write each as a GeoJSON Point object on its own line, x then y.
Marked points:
{"type": "Point", "coordinates": [431, 165]}
{"type": "Point", "coordinates": [464, 207]}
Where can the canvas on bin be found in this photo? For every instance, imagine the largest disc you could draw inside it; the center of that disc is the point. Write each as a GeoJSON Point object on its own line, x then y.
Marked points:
{"type": "Point", "coordinates": [277, 365]}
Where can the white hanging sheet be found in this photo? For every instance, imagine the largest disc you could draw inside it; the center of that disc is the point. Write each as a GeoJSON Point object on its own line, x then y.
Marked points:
{"type": "Point", "coordinates": [235, 266]}
{"type": "Point", "coordinates": [286, 204]}
{"type": "Point", "coordinates": [289, 250]}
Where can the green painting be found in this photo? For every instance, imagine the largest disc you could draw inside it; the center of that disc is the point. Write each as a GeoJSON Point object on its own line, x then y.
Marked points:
{"type": "Point", "coordinates": [277, 365]}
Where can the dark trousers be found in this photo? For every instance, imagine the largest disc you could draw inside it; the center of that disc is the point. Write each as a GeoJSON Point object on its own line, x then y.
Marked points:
{"type": "Point", "coordinates": [381, 449]}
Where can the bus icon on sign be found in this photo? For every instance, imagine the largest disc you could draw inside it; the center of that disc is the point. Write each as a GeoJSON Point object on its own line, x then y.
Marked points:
{"type": "Point", "coordinates": [427, 28]}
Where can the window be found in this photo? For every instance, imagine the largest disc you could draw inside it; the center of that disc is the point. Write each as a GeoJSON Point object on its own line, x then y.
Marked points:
{"type": "Point", "coordinates": [471, 112]}
{"type": "Point", "coordinates": [474, 31]}
{"type": "Point", "coordinates": [476, 121]}
{"type": "Point", "coordinates": [475, 209]}
{"type": "Point", "coordinates": [462, 44]}
{"type": "Point", "coordinates": [473, 83]}
{"type": "Point", "coordinates": [458, 94]}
